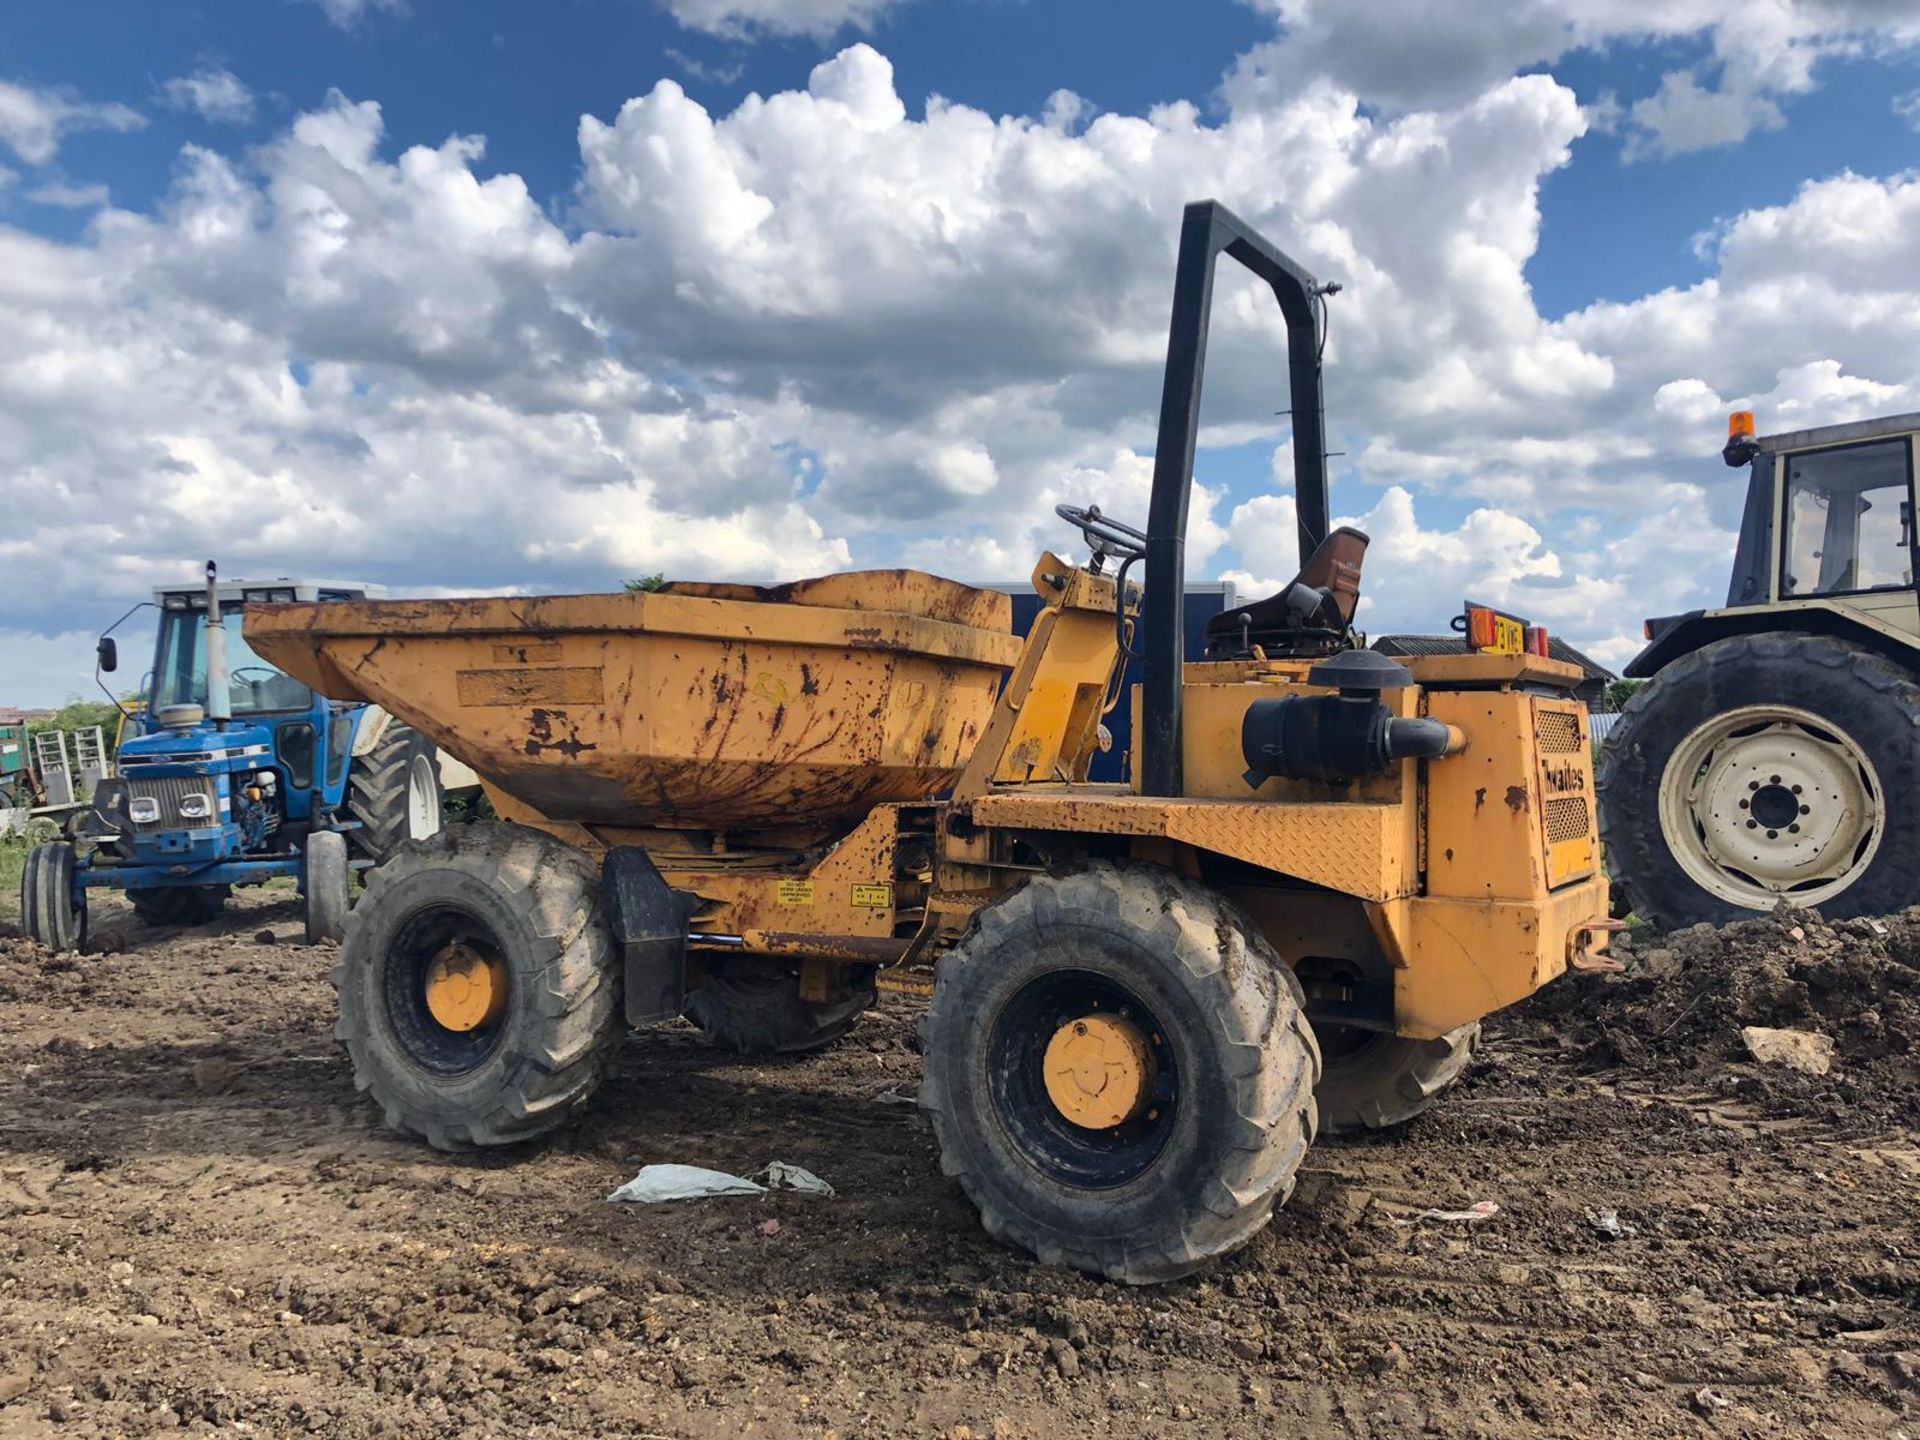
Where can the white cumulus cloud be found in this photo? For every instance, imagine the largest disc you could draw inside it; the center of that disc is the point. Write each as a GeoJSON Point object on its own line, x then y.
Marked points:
{"type": "Point", "coordinates": [34, 120]}
{"type": "Point", "coordinates": [828, 326]}
{"type": "Point", "coordinates": [739, 19]}
{"type": "Point", "coordinates": [212, 92]}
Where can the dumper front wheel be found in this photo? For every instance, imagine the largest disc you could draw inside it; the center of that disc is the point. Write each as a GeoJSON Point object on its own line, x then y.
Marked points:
{"type": "Point", "coordinates": [1373, 1081]}
{"type": "Point", "coordinates": [758, 1011]}
{"type": "Point", "coordinates": [479, 998]}
{"type": "Point", "coordinates": [1119, 1072]}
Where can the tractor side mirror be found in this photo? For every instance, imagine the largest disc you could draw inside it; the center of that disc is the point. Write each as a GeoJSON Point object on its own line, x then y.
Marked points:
{"type": "Point", "coordinates": [109, 654]}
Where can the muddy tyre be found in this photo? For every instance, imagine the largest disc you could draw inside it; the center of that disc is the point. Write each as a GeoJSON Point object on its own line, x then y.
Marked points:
{"type": "Point", "coordinates": [47, 910]}
{"type": "Point", "coordinates": [325, 882]}
{"type": "Point", "coordinates": [758, 1011]}
{"type": "Point", "coordinates": [190, 905]}
{"type": "Point", "coordinates": [1764, 768]}
{"type": "Point", "coordinates": [479, 998]}
{"type": "Point", "coordinates": [1374, 1081]}
{"type": "Point", "coordinates": [1119, 1072]}
{"type": "Point", "coordinates": [394, 792]}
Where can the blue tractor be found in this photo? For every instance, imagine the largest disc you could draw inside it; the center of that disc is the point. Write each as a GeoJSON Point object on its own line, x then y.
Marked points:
{"type": "Point", "coordinates": [237, 774]}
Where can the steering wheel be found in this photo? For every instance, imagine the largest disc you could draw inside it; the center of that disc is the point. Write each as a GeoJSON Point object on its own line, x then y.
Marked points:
{"type": "Point", "coordinates": [265, 670]}
{"type": "Point", "coordinates": [1104, 535]}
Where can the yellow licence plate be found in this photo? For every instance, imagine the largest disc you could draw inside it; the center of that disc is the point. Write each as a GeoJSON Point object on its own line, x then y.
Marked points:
{"type": "Point", "coordinates": [1509, 637]}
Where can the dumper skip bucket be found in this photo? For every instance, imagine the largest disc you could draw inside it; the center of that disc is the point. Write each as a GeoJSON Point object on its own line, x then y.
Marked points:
{"type": "Point", "coordinates": [707, 707]}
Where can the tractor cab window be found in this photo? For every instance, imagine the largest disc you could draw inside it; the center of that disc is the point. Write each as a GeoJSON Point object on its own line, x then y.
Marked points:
{"type": "Point", "coordinates": [254, 686]}
{"type": "Point", "coordinates": [1849, 520]}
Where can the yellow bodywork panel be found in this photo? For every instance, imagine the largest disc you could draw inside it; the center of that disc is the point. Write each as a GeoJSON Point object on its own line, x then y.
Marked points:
{"type": "Point", "coordinates": [1044, 725]}
{"type": "Point", "coordinates": [851, 895]}
{"type": "Point", "coordinates": [1456, 961]}
{"type": "Point", "coordinates": [1360, 849]}
{"type": "Point", "coordinates": [1511, 818]}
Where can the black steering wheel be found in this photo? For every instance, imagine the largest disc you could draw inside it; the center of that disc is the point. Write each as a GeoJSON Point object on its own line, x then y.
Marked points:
{"type": "Point", "coordinates": [1104, 535]}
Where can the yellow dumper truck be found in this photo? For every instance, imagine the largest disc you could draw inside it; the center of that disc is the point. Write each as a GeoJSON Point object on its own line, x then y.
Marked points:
{"type": "Point", "coordinates": [753, 806]}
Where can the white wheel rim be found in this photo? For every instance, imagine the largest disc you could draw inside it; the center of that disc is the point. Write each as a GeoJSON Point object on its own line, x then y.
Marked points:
{"type": "Point", "coordinates": [1768, 802]}
{"type": "Point", "coordinates": [423, 799]}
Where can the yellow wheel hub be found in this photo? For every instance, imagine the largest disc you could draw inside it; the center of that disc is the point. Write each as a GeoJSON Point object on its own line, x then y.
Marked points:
{"type": "Point", "coordinates": [465, 989]}
{"type": "Point", "coordinates": [1099, 1071]}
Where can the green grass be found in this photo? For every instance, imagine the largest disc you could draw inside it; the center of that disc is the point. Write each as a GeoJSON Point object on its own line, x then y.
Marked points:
{"type": "Point", "coordinates": [13, 860]}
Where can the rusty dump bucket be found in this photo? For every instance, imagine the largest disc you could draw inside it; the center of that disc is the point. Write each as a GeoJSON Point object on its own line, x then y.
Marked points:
{"type": "Point", "coordinates": [697, 707]}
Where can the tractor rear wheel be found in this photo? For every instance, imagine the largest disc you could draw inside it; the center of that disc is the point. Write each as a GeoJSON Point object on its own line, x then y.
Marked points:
{"type": "Point", "coordinates": [394, 792]}
{"type": "Point", "coordinates": [184, 905]}
{"type": "Point", "coordinates": [479, 995]}
{"type": "Point", "coordinates": [48, 912]}
{"type": "Point", "coordinates": [1119, 1072]}
{"type": "Point", "coordinates": [1764, 768]}
{"type": "Point", "coordinates": [758, 1011]}
{"type": "Point", "coordinates": [1371, 1080]}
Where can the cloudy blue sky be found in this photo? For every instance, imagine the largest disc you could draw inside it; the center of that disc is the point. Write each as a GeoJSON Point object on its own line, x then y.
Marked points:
{"type": "Point", "coordinates": [492, 294]}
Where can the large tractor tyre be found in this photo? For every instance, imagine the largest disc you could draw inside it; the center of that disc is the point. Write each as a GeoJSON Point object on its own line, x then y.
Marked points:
{"type": "Point", "coordinates": [758, 1011]}
{"type": "Point", "coordinates": [1374, 1081]}
{"type": "Point", "coordinates": [394, 792]}
{"type": "Point", "coordinates": [479, 995]}
{"type": "Point", "coordinates": [1119, 1072]}
{"type": "Point", "coordinates": [185, 905]}
{"type": "Point", "coordinates": [48, 911]}
{"type": "Point", "coordinates": [324, 877]}
{"type": "Point", "coordinates": [1764, 768]}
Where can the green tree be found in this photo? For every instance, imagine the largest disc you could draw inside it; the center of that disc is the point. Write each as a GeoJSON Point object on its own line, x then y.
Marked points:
{"type": "Point", "coordinates": [646, 583]}
{"type": "Point", "coordinates": [1621, 691]}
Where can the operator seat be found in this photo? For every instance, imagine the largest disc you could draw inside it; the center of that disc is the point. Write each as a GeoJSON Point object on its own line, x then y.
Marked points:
{"type": "Point", "coordinates": [1309, 615]}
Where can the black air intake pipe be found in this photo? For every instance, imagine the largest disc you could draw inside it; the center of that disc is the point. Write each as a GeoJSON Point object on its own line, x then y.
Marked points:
{"type": "Point", "coordinates": [1348, 736]}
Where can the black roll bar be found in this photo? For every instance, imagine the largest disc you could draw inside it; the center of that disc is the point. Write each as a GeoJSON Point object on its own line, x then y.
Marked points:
{"type": "Point", "coordinates": [1207, 229]}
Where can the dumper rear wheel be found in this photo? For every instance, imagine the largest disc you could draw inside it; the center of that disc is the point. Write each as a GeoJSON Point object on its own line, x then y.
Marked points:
{"type": "Point", "coordinates": [1119, 1072]}
{"type": "Point", "coordinates": [188, 905]}
{"type": "Point", "coordinates": [758, 1011]}
{"type": "Point", "coordinates": [479, 998]}
{"type": "Point", "coordinates": [1370, 1080]}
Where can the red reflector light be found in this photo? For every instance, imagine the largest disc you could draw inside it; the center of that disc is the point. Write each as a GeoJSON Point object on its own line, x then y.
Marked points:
{"type": "Point", "coordinates": [1479, 628]}
{"type": "Point", "coordinates": [1537, 640]}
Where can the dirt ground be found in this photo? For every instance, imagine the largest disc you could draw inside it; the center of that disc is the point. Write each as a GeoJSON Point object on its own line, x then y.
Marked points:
{"type": "Point", "coordinates": [203, 1228]}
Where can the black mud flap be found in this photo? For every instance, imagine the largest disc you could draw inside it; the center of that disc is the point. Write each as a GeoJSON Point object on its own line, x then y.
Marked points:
{"type": "Point", "coordinates": [649, 921]}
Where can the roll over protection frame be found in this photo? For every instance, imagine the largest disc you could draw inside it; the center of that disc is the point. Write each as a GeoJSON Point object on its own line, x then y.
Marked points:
{"type": "Point", "coordinates": [1207, 229]}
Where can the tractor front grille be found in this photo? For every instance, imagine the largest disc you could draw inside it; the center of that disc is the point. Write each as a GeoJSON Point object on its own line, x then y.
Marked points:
{"type": "Point", "coordinates": [169, 791]}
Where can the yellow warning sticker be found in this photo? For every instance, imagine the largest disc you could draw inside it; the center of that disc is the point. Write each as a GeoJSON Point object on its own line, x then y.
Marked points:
{"type": "Point", "coordinates": [873, 897]}
{"type": "Point", "coordinates": [794, 892]}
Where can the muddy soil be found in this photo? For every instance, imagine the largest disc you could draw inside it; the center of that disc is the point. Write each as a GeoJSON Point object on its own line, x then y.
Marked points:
{"type": "Point", "coordinates": [204, 1228]}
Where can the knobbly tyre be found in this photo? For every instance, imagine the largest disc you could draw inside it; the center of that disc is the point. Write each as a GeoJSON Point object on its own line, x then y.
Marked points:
{"type": "Point", "coordinates": [1771, 755]}
{"type": "Point", "coordinates": [719, 800]}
